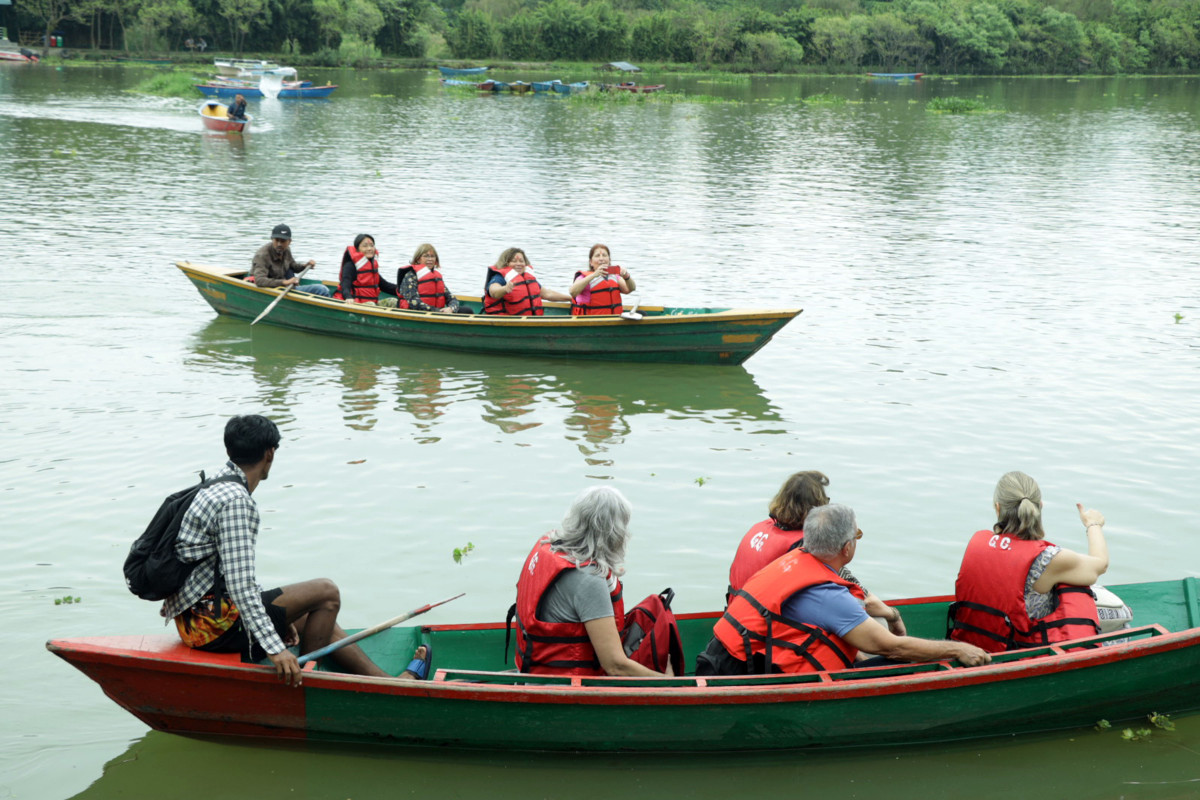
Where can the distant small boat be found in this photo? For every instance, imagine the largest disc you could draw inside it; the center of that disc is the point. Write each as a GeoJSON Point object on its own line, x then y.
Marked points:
{"type": "Point", "coordinates": [571, 88]}
{"type": "Point", "coordinates": [633, 87]}
{"type": "Point", "coordinates": [251, 92]}
{"type": "Point", "coordinates": [545, 86]}
{"type": "Point", "coordinates": [448, 71]}
{"type": "Point", "coordinates": [898, 76]}
{"type": "Point", "coordinates": [237, 66]}
{"type": "Point", "coordinates": [216, 118]}
{"type": "Point", "coordinates": [520, 87]}
{"type": "Point", "coordinates": [10, 52]}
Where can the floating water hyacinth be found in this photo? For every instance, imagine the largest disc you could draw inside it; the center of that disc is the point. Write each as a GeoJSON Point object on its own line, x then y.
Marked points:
{"type": "Point", "coordinates": [461, 552]}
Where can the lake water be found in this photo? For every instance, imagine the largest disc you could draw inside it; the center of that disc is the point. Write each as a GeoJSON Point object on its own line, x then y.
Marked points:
{"type": "Point", "coordinates": [1013, 290]}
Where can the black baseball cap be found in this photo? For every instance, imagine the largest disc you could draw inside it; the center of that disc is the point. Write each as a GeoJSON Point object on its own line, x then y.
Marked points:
{"type": "Point", "coordinates": [282, 232]}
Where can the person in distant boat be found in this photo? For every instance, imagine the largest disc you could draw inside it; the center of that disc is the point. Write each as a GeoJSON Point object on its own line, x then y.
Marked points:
{"type": "Point", "coordinates": [598, 289]}
{"type": "Point", "coordinates": [783, 531]}
{"type": "Point", "coordinates": [237, 109]}
{"type": "Point", "coordinates": [189, 44]}
{"type": "Point", "coordinates": [360, 281]}
{"type": "Point", "coordinates": [798, 614]}
{"type": "Point", "coordinates": [202, 45]}
{"type": "Point", "coordinates": [273, 265]}
{"type": "Point", "coordinates": [421, 284]}
{"type": "Point", "coordinates": [511, 287]}
{"type": "Point", "coordinates": [569, 610]}
{"type": "Point", "coordinates": [221, 608]}
{"type": "Point", "coordinates": [1014, 588]}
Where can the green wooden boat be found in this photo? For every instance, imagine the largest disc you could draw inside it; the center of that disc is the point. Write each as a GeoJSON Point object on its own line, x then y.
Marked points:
{"type": "Point", "coordinates": [472, 702]}
{"type": "Point", "coordinates": [663, 335]}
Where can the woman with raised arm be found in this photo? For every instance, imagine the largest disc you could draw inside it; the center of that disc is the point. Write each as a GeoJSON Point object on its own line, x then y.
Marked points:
{"type": "Point", "coordinates": [598, 289]}
{"type": "Point", "coordinates": [1017, 590]}
{"type": "Point", "coordinates": [511, 287]}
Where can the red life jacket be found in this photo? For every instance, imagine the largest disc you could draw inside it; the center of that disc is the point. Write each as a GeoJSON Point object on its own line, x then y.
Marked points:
{"type": "Point", "coordinates": [605, 297]}
{"type": "Point", "coordinates": [525, 299]}
{"type": "Point", "coordinates": [366, 281]}
{"type": "Point", "coordinates": [753, 625]}
{"type": "Point", "coordinates": [761, 545]}
{"type": "Point", "coordinates": [989, 608]}
{"type": "Point", "coordinates": [557, 648]}
{"type": "Point", "coordinates": [430, 285]}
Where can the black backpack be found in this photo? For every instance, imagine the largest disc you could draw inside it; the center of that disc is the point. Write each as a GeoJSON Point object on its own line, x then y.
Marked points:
{"type": "Point", "coordinates": [152, 570]}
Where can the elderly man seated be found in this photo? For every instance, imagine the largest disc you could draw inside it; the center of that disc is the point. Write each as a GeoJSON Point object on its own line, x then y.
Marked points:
{"type": "Point", "coordinates": [797, 615]}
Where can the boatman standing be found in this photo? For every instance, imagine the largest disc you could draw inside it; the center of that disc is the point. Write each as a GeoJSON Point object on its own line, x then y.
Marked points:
{"type": "Point", "coordinates": [274, 266]}
{"type": "Point", "coordinates": [221, 608]}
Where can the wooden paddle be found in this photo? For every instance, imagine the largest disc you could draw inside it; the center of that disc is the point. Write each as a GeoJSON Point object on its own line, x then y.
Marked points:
{"type": "Point", "coordinates": [282, 295]}
{"type": "Point", "coordinates": [383, 626]}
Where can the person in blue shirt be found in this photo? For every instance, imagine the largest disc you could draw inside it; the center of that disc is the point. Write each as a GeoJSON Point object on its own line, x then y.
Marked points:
{"type": "Point", "coordinates": [237, 109]}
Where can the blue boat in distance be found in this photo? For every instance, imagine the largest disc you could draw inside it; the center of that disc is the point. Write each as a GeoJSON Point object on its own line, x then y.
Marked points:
{"type": "Point", "coordinates": [448, 71]}
{"type": "Point", "coordinates": [253, 92]}
{"type": "Point", "coordinates": [896, 76]}
{"type": "Point", "coordinates": [571, 88]}
{"type": "Point", "coordinates": [545, 86]}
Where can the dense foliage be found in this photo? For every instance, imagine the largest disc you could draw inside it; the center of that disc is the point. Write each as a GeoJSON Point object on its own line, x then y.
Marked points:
{"type": "Point", "coordinates": [945, 36]}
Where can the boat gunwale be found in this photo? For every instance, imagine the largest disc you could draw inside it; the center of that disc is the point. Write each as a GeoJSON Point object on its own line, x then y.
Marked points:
{"type": "Point", "coordinates": [609, 690]}
{"type": "Point", "coordinates": [229, 276]}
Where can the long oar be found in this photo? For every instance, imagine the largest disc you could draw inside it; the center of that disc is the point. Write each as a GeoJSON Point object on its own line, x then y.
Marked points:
{"type": "Point", "coordinates": [383, 626]}
{"type": "Point", "coordinates": [282, 295]}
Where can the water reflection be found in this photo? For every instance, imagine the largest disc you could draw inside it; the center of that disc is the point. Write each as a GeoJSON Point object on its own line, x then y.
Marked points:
{"type": "Point", "coordinates": [1085, 764]}
{"type": "Point", "coordinates": [593, 401]}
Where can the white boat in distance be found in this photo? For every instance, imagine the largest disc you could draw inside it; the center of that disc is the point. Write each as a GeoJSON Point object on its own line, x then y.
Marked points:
{"type": "Point", "coordinates": [233, 67]}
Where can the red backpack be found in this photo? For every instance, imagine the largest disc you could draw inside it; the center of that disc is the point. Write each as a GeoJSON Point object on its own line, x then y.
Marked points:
{"type": "Point", "coordinates": [651, 635]}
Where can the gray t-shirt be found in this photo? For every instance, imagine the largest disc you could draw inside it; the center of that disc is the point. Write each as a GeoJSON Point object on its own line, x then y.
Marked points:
{"type": "Point", "coordinates": [577, 596]}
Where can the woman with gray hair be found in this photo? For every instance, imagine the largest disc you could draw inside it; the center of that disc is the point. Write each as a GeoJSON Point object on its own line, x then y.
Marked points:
{"type": "Point", "coordinates": [1014, 588]}
{"type": "Point", "coordinates": [569, 608]}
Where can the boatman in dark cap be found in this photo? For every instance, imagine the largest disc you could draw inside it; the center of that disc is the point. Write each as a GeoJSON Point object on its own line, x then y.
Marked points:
{"type": "Point", "coordinates": [274, 266]}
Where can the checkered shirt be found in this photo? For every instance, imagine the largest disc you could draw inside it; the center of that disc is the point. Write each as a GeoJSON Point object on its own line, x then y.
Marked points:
{"type": "Point", "coordinates": [220, 529]}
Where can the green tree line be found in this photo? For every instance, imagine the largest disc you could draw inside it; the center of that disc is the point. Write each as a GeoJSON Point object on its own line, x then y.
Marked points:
{"type": "Point", "coordinates": [946, 36]}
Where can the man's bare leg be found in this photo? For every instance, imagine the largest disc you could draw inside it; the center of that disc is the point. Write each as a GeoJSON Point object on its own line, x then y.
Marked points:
{"type": "Point", "coordinates": [312, 606]}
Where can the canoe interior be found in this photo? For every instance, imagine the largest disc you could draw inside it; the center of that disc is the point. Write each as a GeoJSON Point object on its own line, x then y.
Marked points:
{"type": "Point", "coordinates": [1170, 605]}
{"type": "Point", "coordinates": [475, 304]}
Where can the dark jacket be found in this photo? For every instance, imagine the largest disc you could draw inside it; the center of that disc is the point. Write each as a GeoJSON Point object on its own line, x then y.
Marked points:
{"type": "Point", "coordinates": [270, 268]}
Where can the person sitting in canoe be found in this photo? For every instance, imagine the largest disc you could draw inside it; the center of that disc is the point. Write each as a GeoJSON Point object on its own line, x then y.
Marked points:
{"type": "Point", "coordinates": [221, 608]}
{"type": "Point", "coordinates": [598, 290]}
{"type": "Point", "coordinates": [237, 109]}
{"type": "Point", "coordinates": [569, 611]}
{"type": "Point", "coordinates": [421, 284]}
{"type": "Point", "coordinates": [783, 531]}
{"type": "Point", "coordinates": [360, 280]}
{"type": "Point", "coordinates": [797, 614]}
{"type": "Point", "coordinates": [274, 266]}
{"type": "Point", "coordinates": [511, 287]}
{"type": "Point", "coordinates": [1015, 589]}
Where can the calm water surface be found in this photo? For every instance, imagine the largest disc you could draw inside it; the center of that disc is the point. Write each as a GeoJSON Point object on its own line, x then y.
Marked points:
{"type": "Point", "coordinates": [981, 293]}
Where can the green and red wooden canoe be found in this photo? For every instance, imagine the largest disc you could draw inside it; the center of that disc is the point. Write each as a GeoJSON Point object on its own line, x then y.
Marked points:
{"type": "Point", "coordinates": [663, 335]}
{"type": "Point", "coordinates": [471, 702]}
